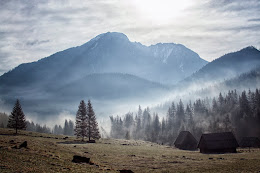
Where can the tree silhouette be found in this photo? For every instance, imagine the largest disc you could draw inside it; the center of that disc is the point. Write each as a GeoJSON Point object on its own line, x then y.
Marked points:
{"type": "Point", "coordinates": [66, 129]}
{"type": "Point", "coordinates": [92, 125]}
{"type": "Point", "coordinates": [81, 121]}
{"type": "Point", "coordinates": [17, 118]}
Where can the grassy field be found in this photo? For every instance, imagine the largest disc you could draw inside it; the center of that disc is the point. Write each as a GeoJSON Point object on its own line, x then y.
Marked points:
{"type": "Point", "coordinates": [49, 153]}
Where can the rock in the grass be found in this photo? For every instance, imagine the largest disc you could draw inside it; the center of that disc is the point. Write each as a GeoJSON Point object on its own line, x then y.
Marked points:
{"type": "Point", "coordinates": [11, 142]}
{"type": "Point", "coordinates": [23, 145]}
{"type": "Point", "coordinates": [80, 159]}
{"type": "Point", "coordinates": [125, 171]}
{"type": "Point", "coordinates": [65, 137]}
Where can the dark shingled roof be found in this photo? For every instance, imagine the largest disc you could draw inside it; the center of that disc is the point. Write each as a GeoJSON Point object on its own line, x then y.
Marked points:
{"type": "Point", "coordinates": [185, 140]}
{"type": "Point", "coordinates": [250, 142]}
{"type": "Point", "coordinates": [181, 137]}
{"type": "Point", "coordinates": [215, 141]}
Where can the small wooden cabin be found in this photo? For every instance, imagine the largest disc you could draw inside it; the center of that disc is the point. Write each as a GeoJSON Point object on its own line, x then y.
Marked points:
{"type": "Point", "coordinates": [218, 143]}
{"type": "Point", "coordinates": [253, 142]}
{"type": "Point", "coordinates": [186, 141]}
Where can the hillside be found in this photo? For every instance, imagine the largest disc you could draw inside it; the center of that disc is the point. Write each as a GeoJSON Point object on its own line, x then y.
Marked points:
{"type": "Point", "coordinates": [110, 86]}
{"type": "Point", "coordinates": [227, 66]}
{"type": "Point", "coordinates": [245, 81]}
{"type": "Point", "coordinates": [50, 153]}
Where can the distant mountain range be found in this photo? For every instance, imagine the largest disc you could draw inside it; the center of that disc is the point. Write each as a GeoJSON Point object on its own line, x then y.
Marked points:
{"type": "Point", "coordinates": [110, 67]}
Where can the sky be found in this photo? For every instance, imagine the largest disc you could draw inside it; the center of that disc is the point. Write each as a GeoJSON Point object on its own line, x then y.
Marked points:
{"type": "Point", "coordinates": [34, 29]}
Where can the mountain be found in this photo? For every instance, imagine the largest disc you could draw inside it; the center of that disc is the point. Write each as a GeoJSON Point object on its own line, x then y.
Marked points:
{"type": "Point", "coordinates": [248, 80]}
{"type": "Point", "coordinates": [245, 81]}
{"type": "Point", "coordinates": [227, 66]}
{"type": "Point", "coordinates": [109, 86]}
{"type": "Point", "coordinates": [107, 53]}
{"type": "Point", "coordinates": [108, 67]}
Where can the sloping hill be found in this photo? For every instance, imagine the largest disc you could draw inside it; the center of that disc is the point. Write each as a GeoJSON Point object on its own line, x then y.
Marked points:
{"type": "Point", "coordinates": [109, 86]}
{"type": "Point", "coordinates": [228, 66]}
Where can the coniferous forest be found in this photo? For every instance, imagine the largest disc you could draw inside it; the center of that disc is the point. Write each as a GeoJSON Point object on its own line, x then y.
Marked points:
{"type": "Point", "coordinates": [239, 113]}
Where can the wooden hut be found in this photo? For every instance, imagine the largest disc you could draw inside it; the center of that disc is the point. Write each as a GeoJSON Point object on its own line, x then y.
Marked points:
{"type": "Point", "coordinates": [253, 142]}
{"type": "Point", "coordinates": [218, 143]}
{"type": "Point", "coordinates": [186, 141]}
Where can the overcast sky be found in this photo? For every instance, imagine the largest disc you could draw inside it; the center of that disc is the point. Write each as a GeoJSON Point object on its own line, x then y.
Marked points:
{"type": "Point", "coordinates": [34, 29]}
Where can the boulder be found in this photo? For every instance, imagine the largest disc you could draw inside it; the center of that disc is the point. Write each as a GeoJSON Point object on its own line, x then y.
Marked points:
{"type": "Point", "coordinates": [11, 142]}
{"type": "Point", "coordinates": [80, 159]}
{"type": "Point", "coordinates": [91, 141]}
{"type": "Point", "coordinates": [23, 145]}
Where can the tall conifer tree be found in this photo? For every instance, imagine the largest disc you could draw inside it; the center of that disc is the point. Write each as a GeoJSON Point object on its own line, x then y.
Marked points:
{"type": "Point", "coordinates": [92, 125]}
{"type": "Point", "coordinates": [17, 118]}
{"type": "Point", "coordinates": [81, 121]}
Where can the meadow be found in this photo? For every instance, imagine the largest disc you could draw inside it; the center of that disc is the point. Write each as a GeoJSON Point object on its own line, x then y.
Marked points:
{"type": "Point", "coordinates": [54, 153]}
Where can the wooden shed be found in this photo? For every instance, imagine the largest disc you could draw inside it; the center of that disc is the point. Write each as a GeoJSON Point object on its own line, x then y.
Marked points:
{"type": "Point", "coordinates": [218, 143]}
{"type": "Point", "coordinates": [250, 142]}
{"type": "Point", "coordinates": [186, 141]}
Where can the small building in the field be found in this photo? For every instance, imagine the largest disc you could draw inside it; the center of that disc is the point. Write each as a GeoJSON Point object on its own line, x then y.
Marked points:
{"type": "Point", "coordinates": [218, 143]}
{"type": "Point", "coordinates": [186, 141]}
{"type": "Point", "coordinates": [253, 142]}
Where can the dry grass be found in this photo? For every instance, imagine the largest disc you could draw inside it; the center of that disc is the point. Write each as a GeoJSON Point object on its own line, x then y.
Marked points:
{"type": "Point", "coordinates": [44, 154]}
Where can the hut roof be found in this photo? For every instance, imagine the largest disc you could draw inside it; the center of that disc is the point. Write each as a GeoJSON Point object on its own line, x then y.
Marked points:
{"type": "Point", "coordinates": [182, 136]}
{"type": "Point", "coordinates": [250, 142]}
{"type": "Point", "coordinates": [218, 141]}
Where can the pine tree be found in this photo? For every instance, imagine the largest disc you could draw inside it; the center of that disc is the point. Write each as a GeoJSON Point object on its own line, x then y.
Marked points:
{"type": "Point", "coordinates": [55, 130]}
{"type": "Point", "coordinates": [180, 115]}
{"type": "Point", "coordinates": [127, 136]}
{"type": "Point", "coordinates": [17, 118]}
{"type": "Point", "coordinates": [156, 128]}
{"type": "Point", "coordinates": [92, 125]}
{"type": "Point", "coordinates": [227, 123]}
{"type": "Point", "coordinates": [66, 128]}
{"type": "Point", "coordinates": [81, 121]}
{"type": "Point", "coordinates": [71, 128]}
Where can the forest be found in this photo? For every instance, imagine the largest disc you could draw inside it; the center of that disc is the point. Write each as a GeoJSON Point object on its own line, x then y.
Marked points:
{"type": "Point", "coordinates": [239, 113]}
{"type": "Point", "coordinates": [66, 129]}
{"type": "Point", "coordinates": [231, 111]}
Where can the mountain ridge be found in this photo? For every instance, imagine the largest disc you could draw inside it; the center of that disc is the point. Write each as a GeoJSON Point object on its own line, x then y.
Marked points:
{"type": "Point", "coordinates": [228, 66]}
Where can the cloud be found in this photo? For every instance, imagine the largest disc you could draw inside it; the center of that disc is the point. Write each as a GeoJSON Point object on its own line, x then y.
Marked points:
{"type": "Point", "coordinates": [254, 20]}
{"type": "Point", "coordinates": [32, 29]}
{"type": "Point", "coordinates": [36, 42]}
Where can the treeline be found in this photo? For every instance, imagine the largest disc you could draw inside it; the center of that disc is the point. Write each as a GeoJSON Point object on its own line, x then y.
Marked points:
{"type": "Point", "coordinates": [66, 129]}
{"type": "Point", "coordinates": [31, 126]}
{"type": "Point", "coordinates": [3, 120]}
{"type": "Point", "coordinates": [85, 125]}
{"type": "Point", "coordinates": [227, 112]}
